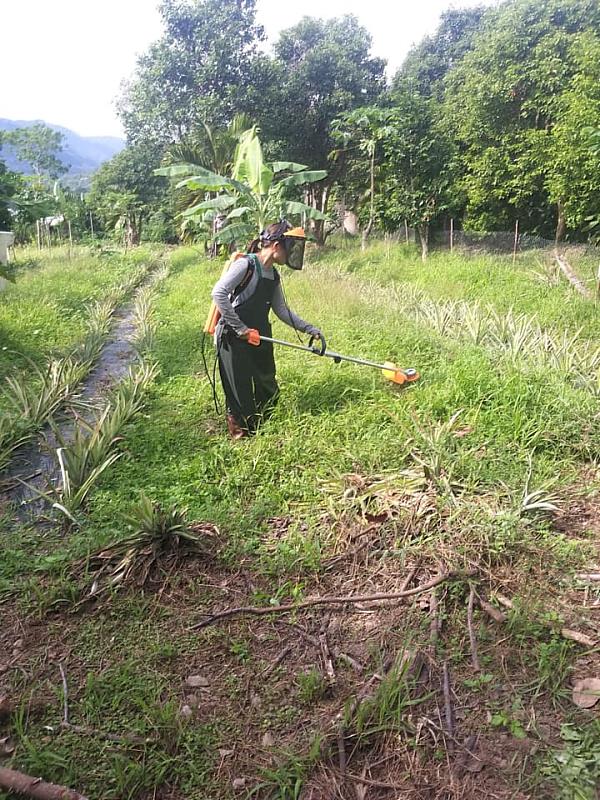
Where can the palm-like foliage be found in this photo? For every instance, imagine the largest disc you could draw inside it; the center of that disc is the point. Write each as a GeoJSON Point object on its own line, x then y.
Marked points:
{"type": "Point", "coordinates": [160, 535]}
{"type": "Point", "coordinates": [207, 148]}
{"type": "Point", "coordinates": [210, 148]}
{"type": "Point", "coordinates": [255, 193]}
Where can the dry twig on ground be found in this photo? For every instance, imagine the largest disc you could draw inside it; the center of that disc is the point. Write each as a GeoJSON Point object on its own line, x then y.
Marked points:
{"type": "Point", "coordinates": [472, 636]}
{"type": "Point", "coordinates": [335, 600]}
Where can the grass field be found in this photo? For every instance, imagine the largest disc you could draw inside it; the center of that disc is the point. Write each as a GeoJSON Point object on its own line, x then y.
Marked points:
{"type": "Point", "coordinates": [484, 473]}
{"type": "Point", "coordinates": [44, 311]}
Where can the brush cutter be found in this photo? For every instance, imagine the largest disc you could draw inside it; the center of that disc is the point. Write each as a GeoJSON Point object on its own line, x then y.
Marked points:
{"type": "Point", "coordinates": [388, 369]}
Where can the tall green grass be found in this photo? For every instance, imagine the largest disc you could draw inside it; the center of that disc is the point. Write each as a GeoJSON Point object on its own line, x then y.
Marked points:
{"type": "Point", "coordinates": [336, 418]}
{"type": "Point", "coordinates": [44, 311]}
{"type": "Point", "coordinates": [529, 285]}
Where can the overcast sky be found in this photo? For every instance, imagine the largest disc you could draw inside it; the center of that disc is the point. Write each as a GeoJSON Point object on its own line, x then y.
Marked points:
{"type": "Point", "coordinates": [63, 60]}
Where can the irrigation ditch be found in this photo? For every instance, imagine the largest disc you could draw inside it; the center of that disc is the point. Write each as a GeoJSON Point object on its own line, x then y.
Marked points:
{"type": "Point", "coordinates": [66, 428]}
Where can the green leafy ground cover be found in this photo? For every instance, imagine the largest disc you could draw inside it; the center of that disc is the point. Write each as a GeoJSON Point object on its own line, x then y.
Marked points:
{"type": "Point", "coordinates": [348, 487]}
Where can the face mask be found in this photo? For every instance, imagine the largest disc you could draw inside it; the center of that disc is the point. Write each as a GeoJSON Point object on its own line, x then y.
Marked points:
{"type": "Point", "coordinates": [294, 248]}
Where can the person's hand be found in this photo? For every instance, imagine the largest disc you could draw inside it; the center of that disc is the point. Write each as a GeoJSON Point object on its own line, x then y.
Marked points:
{"type": "Point", "coordinates": [252, 336]}
{"type": "Point", "coordinates": [315, 334]}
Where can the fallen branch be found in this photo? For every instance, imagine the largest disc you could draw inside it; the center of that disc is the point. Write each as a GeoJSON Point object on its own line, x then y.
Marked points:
{"type": "Point", "coordinates": [18, 782]}
{"type": "Point", "coordinates": [570, 275]}
{"type": "Point", "coordinates": [435, 624]}
{"type": "Point", "coordinates": [448, 710]}
{"type": "Point", "coordinates": [128, 738]}
{"type": "Point", "coordinates": [65, 695]}
{"type": "Point", "coordinates": [576, 636]}
{"type": "Point", "coordinates": [326, 652]}
{"type": "Point", "coordinates": [272, 667]}
{"type": "Point", "coordinates": [334, 600]}
{"type": "Point", "coordinates": [462, 762]}
{"type": "Point", "coordinates": [492, 611]}
{"type": "Point", "coordinates": [371, 782]}
{"type": "Point", "coordinates": [472, 636]}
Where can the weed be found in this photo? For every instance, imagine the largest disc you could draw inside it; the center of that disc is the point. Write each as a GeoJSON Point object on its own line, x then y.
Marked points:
{"type": "Point", "coordinates": [240, 650]}
{"type": "Point", "coordinates": [159, 535]}
{"type": "Point", "coordinates": [311, 686]}
{"type": "Point", "coordinates": [504, 719]}
{"type": "Point", "coordinates": [574, 771]}
{"type": "Point", "coordinates": [552, 665]}
{"type": "Point", "coordinates": [479, 682]}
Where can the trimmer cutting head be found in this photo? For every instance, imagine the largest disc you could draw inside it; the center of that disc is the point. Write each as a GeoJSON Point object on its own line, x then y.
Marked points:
{"type": "Point", "coordinates": [397, 375]}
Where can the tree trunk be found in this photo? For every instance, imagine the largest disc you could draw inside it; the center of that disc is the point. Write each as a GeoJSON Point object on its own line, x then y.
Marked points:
{"type": "Point", "coordinates": [319, 198]}
{"type": "Point", "coordinates": [365, 235]}
{"type": "Point", "coordinates": [561, 225]}
{"type": "Point", "coordinates": [367, 230]}
{"type": "Point", "coordinates": [132, 232]}
{"type": "Point", "coordinates": [423, 229]}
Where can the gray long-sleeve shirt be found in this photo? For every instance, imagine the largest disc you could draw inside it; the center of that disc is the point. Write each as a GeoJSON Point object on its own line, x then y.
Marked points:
{"type": "Point", "coordinates": [225, 287]}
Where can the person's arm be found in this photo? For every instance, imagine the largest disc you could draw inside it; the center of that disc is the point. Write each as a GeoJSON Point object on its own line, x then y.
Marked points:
{"type": "Point", "coordinates": [223, 289]}
{"type": "Point", "coordinates": [290, 318]}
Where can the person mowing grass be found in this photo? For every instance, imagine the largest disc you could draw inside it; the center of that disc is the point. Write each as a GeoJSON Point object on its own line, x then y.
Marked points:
{"type": "Point", "coordinates": [244, 296]}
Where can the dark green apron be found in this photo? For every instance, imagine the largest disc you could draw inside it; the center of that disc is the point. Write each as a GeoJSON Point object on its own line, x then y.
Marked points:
{"type": "Point", "coordinates": [248, 372]}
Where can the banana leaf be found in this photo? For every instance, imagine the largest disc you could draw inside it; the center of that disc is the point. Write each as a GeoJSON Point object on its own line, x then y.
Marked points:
{"type": "Point", "coordinates": [290, 207]}
{"type": "Point", "coordinates": [287, 166]}
{"type": "Point", "coordinates": [304, 177]}
{"type": "Point", "coordinates": [236, 232]}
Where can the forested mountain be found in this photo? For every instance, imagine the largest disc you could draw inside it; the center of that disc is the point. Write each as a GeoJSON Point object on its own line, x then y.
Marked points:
{"type": "Point", "coordinates": [81, 154]}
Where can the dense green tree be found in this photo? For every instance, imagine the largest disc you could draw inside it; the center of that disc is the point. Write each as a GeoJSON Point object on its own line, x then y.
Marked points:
{"type": "Point", "coordinates": [204, 68]}
{"type": "Point", "coordinates": [323, 68]}
{"type": "Point", "coordinates": [38, 146]}
{"type": "Point", "coordinates": [502, 102]}
{"type": "Point", "coordinates": [428, 63]}
{"type": "Point", "coordinates": [574, 171]}
{"type": "Point", "coordinates": [407, 161]}
{"type": "Point", "coordinates": [125, 193]}
{"type": "Point", "coordinates": [9, 186]}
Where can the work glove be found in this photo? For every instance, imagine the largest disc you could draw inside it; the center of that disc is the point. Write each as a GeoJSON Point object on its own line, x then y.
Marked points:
{"type": "Point", "coordinates": [315, 333]}
{"type": "Point", "coordinates": [252, 336]}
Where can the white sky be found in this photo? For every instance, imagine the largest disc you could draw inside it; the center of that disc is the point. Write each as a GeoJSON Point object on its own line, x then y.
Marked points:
{"type": "Point", "coordinates": [63, 60]}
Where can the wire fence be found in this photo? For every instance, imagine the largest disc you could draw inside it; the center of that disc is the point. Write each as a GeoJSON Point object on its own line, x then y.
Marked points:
{"type": "Point", "coordinates": [580, 262]}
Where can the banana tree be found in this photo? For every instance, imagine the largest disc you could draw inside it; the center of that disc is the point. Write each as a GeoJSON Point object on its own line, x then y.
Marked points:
{"type": "Point", "coordinates": [255, 194]}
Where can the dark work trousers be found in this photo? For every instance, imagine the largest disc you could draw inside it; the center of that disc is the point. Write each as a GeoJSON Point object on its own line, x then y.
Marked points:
{"type": "Point", "coordinates": [247, 371]}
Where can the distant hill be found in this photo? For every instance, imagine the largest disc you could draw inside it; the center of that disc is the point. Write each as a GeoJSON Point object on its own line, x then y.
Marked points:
{"type": "Point", "coordinates": [82, 154]}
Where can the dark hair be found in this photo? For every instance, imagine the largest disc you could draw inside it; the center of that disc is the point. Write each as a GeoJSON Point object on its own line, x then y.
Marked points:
{"type": "Point", "coordinates": [265, 236]}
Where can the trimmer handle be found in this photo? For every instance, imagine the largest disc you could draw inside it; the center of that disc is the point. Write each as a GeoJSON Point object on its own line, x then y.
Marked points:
{"type": "Point", "coordinates": [320, 351]}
